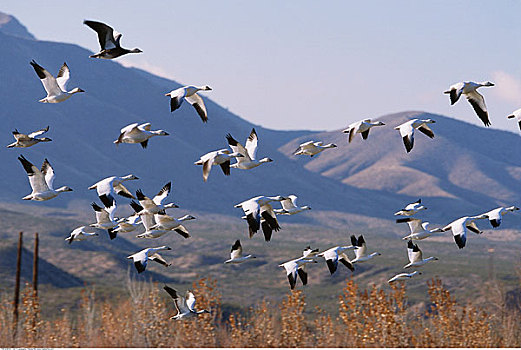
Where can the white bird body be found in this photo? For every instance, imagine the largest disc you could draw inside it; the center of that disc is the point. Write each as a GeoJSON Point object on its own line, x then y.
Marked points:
{"type": "Point", "coordinates": [459, 228]}
{"type": "Point", "coordinates": [141, 258]}
{"type": "Point", "coordinates": [110, 185]}
{"type": "Point", "coordinates": [127, 225]}
{"type": "Point", "coordinates": [411, 208]}
{"type": "Point", "coordinates": [185, 306]}
{"type": "Point", "coordinates": [470, 90]}
{"type": "Point", "coordinates": [294, 267]}
{"type": "Point", "coordinates": [495, 215]}
{"type": "Point", "coordinates": [220, 157]}
{"type": "Point", "coordinates": [79, 234]}
{"type": "Point", "coordinates": [403, 276]}
{"type": "Point", "coordinates": [336, 254]}
{"type": "Point", "coordinates": [360, 127]}
{"type": "Point", "coordinates": [517, 116]}
{"type": "Point", "coordinates": [135, 133]}
{"type": "Point", "coordinates": [407, 131]}
{"type": "Point", "coordinates": [189, 93]}
{"type": "Point", "coordinates": [41, 181]}
{"type": "Point", "coordinates": [415, 256]}
{"type": "Point", "coordinates": [23, 140]}
{"type": "Point", "coordinates": [249, 152]}
{"type": "Point", "coordinates": [105, 219]}
{"type": "Point", "coordinates": [290, 207]}
{"type": "Point", "coordinates": [312, 148]}
{"type": "Point", "coordinates": [257, 207]}
{"type": "Point", "coordinates": [236, 256]}
{"type": "Point", "coordinates": [55, 87]}
{"type": "Point", "coordinates": [418, 230]}
{"type": "Point", "coordinates": [155, 205]}
{"type": "Point", "coordinates": [167, 223]}
{"type": "Point", "coordinates": [361, 250]}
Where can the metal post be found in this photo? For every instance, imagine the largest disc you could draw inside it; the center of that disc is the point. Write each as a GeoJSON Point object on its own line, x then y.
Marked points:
{"type": "Point", "coordinates": [17, 286]}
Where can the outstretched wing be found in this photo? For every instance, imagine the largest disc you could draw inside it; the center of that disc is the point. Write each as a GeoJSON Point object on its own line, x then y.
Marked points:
{"type": "Point", "coordinates": [63, 76]}
{"type": "Point", "coordinates": [38, 132]}
{"type": "Point", "coordinates": [36, 177]}
{"type": "Point", "coordinates": [197, 102]}
{"type": "Point", "coordinates": [48, 173]}
{"type": "Point", "coordinates": [105, 34]}
{"type": "Point", "coordinates": [48, 81]}
{"type": "Point", "coordinates": [251, 144]}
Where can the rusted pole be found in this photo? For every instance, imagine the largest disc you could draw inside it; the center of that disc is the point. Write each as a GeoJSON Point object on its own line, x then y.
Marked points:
{"type": "Point", "coordinates": [35, 265]}
{"type": "Point", "coordinates": [17, 286]}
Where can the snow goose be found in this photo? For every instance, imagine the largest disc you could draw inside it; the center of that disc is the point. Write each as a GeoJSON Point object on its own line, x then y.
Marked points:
{"type": "Point", "coordinates": [108, 41]}
{"type": "Point", "coordinates": [41, 181]}
{"type": "Point", "coordinates": [294, 267]}
{"type": "Point", "coordinates": [135, 133]}
{"type": "Point", "coordinates": [336, 254]}
{"type": "Point", "coordinates": [403, 276]}
{"type": "Point", "coordinates": [167, 223]}
{"type": "Point", "coordinates": [23, 140]}
{"type": "Point", "coordinates": [415, 256]}
{"type": "Point", "coordinates": [148, 221]}
{"type": "Point", "coordinates": [141, 258]}
{"type": "Point", "coordinates": [407, 131]}
{"type": "Point", "coordinates": [109, 185]}
{"type": "Point", "coordinates": [311, 148]}
{"type": "Point", "coordinates": [55, 87]}
{"type": "Point", "coordinates": [470, 90]}
{"type": "Point", "coordinates": [79, 234]}
{"type": "Point", "coordinates": [189, 93]}
{"type": "Point", "coordinates": [184, 305]}
{"type": "Point", "coordinates": [361, 250]}
{"type": "Point", "coordinates": [153, 206]}
{"type": "Point", "coordinates": [459, 228]}
{"type": "Point", "coordinates": [249, 152]}
{"type": "Point", "coordinates": [418, 228]}
{"type": "Point", "coordinates": [517, 116]}
{"type": "Point", "coordinates": [127, 225]}
{"type": "Point", "coordinates": [411, 208]}
{"type": "Point", "coordinates": [105, 219]}
{"type": "Point", "coordinates": [290, 207]}
{"type": "Point", "coordinates": [309, 253]}
{"type": "Point", "coordinates": [495, 215]}
{"type": "Point", "coordinates": [236, 256]}
{"type": "Point", "coordinates": [258, 207]}
{"type": "Point", "coordinates": [220, 157]}
{"type": "Point", "coordinates": [360, 127]}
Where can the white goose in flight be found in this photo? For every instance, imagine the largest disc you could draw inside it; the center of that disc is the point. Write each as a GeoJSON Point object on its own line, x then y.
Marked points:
{"type": "Point", "coordinates": [167, 223]}
{"type": "Point", "coordinates": [141, 258]}
{"type": "Point", "coordinates": [105, 219]}
{"type": "Point", "coordinates": [249, 152]}
{"type": "Point", "coordinates": [185, 306]}
{"type": "Point", "coordinates": [290, 207]}
{"type": "Point", "coordinates": [415, 256]}
{"type": "Point", "coordinates": [109, 41]}
{"type": "Point", "coordinates": [407, 131]}
{"type": "Point", "coordinates": [154, 206]}
{"type": "Point", "coordinates": [361, 250]}
{"type": "Point", "coordinates": [23, 140]}
{"type": "Point", "coordinates": [403, 276]}
{"type": "Point", "coordinates": [55, 87]}
{"type": "Point", "coordinates": [109, 185]}
{"type": "Point", "coordinates": [135, 133]}
{"type": "Point", "coordinates": [495, 215]}
{"type": "Point", "coordinates": [312, 148]}
{"type": "Point", "coordinates": [336, 254]}
{"type": "Point", "coordinates": [419, 230]}
{"type": "Point", "coordinates": [360, 127]}
{"type": "Point", "coordinates": [148, 221]}
{"type": "Point", "coordinates": [517, 116]}
{"type": "Point", "coordinates": [411, 208]}
{"type": "Point", "coordinates": [41, 181]}
{"type": "Point", "coordinates": [258, 207]}
{"type": "Point", "coordinates": [294, 267]}
{"type": "Point", "coordinates": [470, 90]}
{"type": "Point", "coordinates": [236, 256]}
{"type": "Point", "coordinates": [189, 93]}
{"type": "Point", "coordinates": [127, 225]}
{"type": "Point", "coordinates": [220, 157]}
{"type": "Point", "coordinates": [79, 234]}
{"type": "Point", "coordinates": [459, 228]}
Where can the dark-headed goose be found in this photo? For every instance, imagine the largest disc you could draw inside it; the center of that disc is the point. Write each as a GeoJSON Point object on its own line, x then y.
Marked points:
{"type": "Point", "coordinates": [294, 267]}
{"type": "Point", "coordinates": [403, 276]}
{"type": "Point", "coordinates": [220, 157]}
{"type": "Point", "coordinates": [258, 207]}
{"type": "Point", "coordinates": [411, 208]}
{"type": "Point", "coordinates": [236, 256]}
{"type": "Point", "coordinates": [361, 250]}
{"type": "Point", "coordinates": [407, 131]}
{"type": "Point", "coordinates": [189, 93]}
{"type": "Point", "coordinates": [517, 116]}
{"type": "Point", "coordinates": [415, 256]}
{"type": "Point", "coordinates": [418, 228]}
{"type": "Point", "coordinates": [135, 133]}
{"type": "Point", "coordinates": [311, 148]}
{"type": "Point", "coordinates": [79, 234]}
{"type": "Point", "coordinates": [108, 41]}
{"type": "Point", "coordinates": [336, 254]}
{"type": "Point", "coordinates": [360, 127]}
{"type": "Point", "coordinates": [154, 206]}
{"type": "Point", "coordinates": [55, 87]}
{"type": "Point", "coordinates": [184, 305]}
{"type": "Point", "coordinates": [41, 181]}
{"type": "Point", "coordinates": [290, 207]}
{"type": "Point", "coordinates": [23, 140]}
{"type": "Point", "coordinates": [459, 228]}
{"type": "Point", "coordinates": [141, 258]}
{"type": "Point", "coordinates": [495, 215]}
{"type": "Point", "coordinates": [470, 89]}
{"type": "Point", "coordinates": [249, 152]}
{"type": "Point", "coordinates": [105, 219]}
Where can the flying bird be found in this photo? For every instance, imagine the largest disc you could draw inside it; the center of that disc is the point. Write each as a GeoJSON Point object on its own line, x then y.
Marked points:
{"type": "Point", "coordinates": [403, 276]}
{"type": "Point", "coordinates": [360, 127]}
{"type": "Point", "coordinates": [296, 267]}
{"type": "Point", "coordinates": [110, 185]}
{"type": "Point", "coordinates": [23, 140]}
{"type": "Point", "coordinates": [154, 206]}
{"type": "Point", "coordinates": [415, 256]}
{"type": "Point", "coordinates": [79, 234]}
{"type": "Point", "coordinates": [249, 152]}
{"type": "Point", "coordinates": [407, 131]}
{"type": "Point", "coordinates": [236, 256]}
{"type": "Point", "coordinates": [517, 116]}
{"type": "Point", "coordinates": [459, 228]}
{"type": "Point", "coordinates": [185, 306]}
{"type": "Point", "coordinates": [411, 208]}
{"type": "Point", "coordinates": [259, 207]}
{"type": "Point", "coordinates": [41, 181]}
{"type": "Point", "coordinates": [166, 223]}
{"type": "Point", "coordinates": [361, 250]}
{"type": "Point", "coordinates": [336, 254]}
{"type": "Point", "coordinates": [109, 41]}
{"type": "Point", "coordinates": [135, 133]}
{"type": "Point", "coordinates": [290, 207]}
{"type": "Point", "coordinates": [220, 157]}
{"type": "Point", "coordinates": [105, 219]}
{"type": "Point", "coordinates": [495, 215]}
{"type": "Point", "coordinates": [141, 258]}
{"type": "Point", "coordinates": [189, 93]}
{"type": "Point", "coordinates": [55, 87]}
{"type": "Point", "coordinates": [312, 148]}
{"type": "Point", "coordinates": [470, 90]}
{"type": "Point", "coordinates": [419, 230]}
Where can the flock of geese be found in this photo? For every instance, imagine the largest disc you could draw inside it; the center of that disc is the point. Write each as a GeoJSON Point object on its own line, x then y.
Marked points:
{"type": "Point", "coordinates": [259, 213]}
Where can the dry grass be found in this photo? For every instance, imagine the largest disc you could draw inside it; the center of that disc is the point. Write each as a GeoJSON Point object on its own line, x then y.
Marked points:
{"type": "Point", "coordinates": [366, 318]}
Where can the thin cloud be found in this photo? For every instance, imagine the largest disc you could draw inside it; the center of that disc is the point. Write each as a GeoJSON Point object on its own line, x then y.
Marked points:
{"type": "Point", "coordinates": [508, 88]}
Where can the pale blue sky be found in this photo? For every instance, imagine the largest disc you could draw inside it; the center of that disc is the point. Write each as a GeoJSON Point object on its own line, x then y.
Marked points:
{"type": "Point", "coordinates": [310, 64]}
